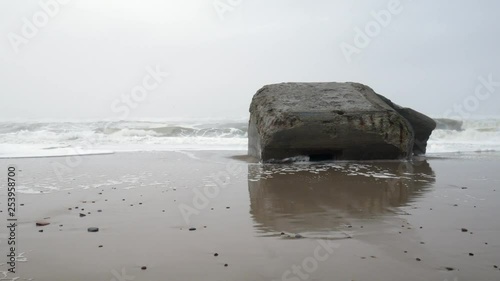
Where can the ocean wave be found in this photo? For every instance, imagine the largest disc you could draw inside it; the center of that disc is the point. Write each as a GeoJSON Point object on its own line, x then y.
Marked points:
{"type": "Point", "coordinates": [40, 138]}
{"type": "Point", "coordinates": [474, 136]}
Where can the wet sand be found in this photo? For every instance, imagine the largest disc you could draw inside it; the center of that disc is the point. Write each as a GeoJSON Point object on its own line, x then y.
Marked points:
{"type": "Point", "coordinates": [213, 216]}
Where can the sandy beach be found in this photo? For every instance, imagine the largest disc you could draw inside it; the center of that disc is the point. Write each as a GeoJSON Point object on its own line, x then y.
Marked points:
{"type": "Point", "coordinates": [208, 215]}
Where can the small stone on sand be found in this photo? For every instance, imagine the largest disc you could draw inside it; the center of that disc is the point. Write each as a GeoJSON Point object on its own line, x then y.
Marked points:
{"type": "Point", "coordinates": [93, 229]}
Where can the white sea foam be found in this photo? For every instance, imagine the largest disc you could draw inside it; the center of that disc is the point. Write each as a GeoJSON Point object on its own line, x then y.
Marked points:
{"type": "Point", "coordinates": [43, 139]}
{"type": "Point", "coordinates": [475, 136]}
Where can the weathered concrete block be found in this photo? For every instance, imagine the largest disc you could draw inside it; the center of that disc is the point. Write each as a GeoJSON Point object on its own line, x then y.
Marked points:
{"type": "Point", "coordinates": [326, 121]}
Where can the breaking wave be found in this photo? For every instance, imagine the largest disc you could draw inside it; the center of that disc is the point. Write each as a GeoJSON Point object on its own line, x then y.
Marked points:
{"type": "Point", "coordinates": [28, 139]}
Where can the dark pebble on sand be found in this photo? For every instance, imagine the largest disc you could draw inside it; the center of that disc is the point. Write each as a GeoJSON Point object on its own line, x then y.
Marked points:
{"type": "Point", "coordinates": [228, 207]}
{"type": "Point", "coordinates": [464, 230]}
{"type": "Point", "coordinates": [226, 265]}
{"type": "Point", "coordinates": [93, 229]}
{"type": "Point", "coordinates": [144, 268]}
{"type": "Point", "coordinates": [495, 266]}
{"type": "Point", "coordinates": [418, 259]}
{"type": "Point", "coordinates": [192, 229]}
{"type": "Point", "coordinates": [41, 230]}
{"type": "Point", "coordinates": [216, 255]}
{"type": "Point", "coordinates": [298, 236]}
{"type": "Point", "coordinates": [70, 209]}
{"type": "Point", "coordinates": [471, 254]}
{"type": "Point", "coordinates": [449, 268]}
{"type": "Point", "coordinates": [82, 215]}
{"type": "Point", "coordinates": [99, 211]}
{"type": "Point", "coordinates": [464, 187]}
{"type": "Point", "coordinates": [42, 223]}
{"type": "Point", "coordinates": [422, 243]}
{"type": "Point", "coordinates": [22, 204]}
{"type": "Point", "coordinates": [406, 252]}
{"type": "Point", "coordinates": [140, 203]}
{"type": "Point", "coordinates": [100, 246]}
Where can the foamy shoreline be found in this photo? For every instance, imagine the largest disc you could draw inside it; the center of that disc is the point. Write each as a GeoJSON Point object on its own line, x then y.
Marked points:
{"type": "Point", "coordinates": [25, 139]}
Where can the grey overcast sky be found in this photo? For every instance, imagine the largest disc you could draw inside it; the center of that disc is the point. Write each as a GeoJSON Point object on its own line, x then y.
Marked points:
{"type": "Point", "coordinates": [77, 60]}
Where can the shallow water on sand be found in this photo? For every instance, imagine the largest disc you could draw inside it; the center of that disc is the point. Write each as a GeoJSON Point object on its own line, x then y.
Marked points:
{"type": "Point", "coordinates": [172, 212]}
